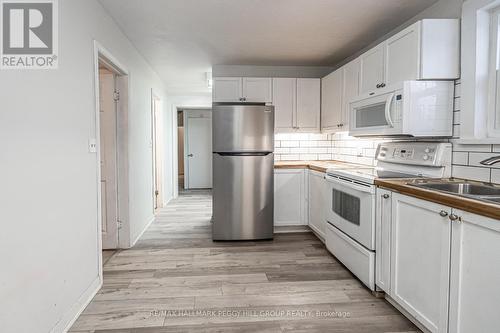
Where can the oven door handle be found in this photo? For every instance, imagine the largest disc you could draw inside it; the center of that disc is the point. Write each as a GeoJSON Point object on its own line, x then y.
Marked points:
{"type": "Point", "coordinates": [388, 104]}
{"type": "Point", "coordinates": [351, 184]}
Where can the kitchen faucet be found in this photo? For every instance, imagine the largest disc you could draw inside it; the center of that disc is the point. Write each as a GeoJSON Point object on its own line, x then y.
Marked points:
{"type": "Point", "coordinates": [491, 160]}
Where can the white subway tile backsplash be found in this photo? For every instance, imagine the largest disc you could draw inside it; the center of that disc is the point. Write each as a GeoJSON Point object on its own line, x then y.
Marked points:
{"type": "Point", "coordinates": [460, 158]}
{"type": "Point", "coordinates": [495, 176]}
{"type": "Point", "coordinates": [474, 173]}
{"type": "Point", "coordinates": [290, 143]}
{"type": "Point", "coordinates": [299, 150]}
{"type": "Point", "coordinates": [475, 158]}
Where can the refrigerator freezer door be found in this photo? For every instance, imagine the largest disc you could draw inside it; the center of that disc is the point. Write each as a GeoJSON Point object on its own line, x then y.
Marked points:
{"type": "Point", "coordinates": [243, 128]}
{"type": "Point", "coordinates": [243, 197]}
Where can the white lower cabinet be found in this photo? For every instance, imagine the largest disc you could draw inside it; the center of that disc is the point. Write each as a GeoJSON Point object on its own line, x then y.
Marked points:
{"type": "Point", "coordinates": [383, 240]}
{"type": "Point", "coordinates": [316, 202]}
{"type": "Point", "coordinates": [475, 274]}
{"type": "Point", "coordinates": [290, 197]}
{"type": "Point", "coordinates": [420, 260]}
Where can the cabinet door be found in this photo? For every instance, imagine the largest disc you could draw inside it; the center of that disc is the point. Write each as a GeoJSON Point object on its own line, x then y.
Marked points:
{"type": "Point", "coordinates": [257, 89]}
{"type": "Point", "coordinates": [402, 53]}
{"type": "Point", "coordinates": [372, 69]}
{"type": "Point", "coordinates": [289, 197]}
{"type": "Point", "coordinates": [420, 259]}
{"type": "Point", "coordinates": [285, 104]}
{"type": "Point", "coordinates": [317, 201]}
{"type": "Point", "coordinates": [350, 91]}
{"type": "Point", "coordinates": [227, 89]}
{"type": "Point", "coordinates": [308, 104]}
{"type": "Point", "coordinates": [475, 274]}
{"type": "Point", "coordinates": [331, 100]}
{"type": "Point", "coordinates": [383, 226]}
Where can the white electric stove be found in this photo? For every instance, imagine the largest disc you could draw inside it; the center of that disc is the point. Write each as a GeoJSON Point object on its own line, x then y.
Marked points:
{"type": "Point", "coordinates": [351, 197]}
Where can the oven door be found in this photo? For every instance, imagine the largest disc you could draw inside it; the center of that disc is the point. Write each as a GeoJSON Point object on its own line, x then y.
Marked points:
{"type": "Point", "coordinates": [351, 208]}
{"type": "Point", "coordinates": [376, 115]}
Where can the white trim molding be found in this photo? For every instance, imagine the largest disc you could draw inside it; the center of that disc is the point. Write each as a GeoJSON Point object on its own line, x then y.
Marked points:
{"type": "Point", "coordinates": [475, 56]}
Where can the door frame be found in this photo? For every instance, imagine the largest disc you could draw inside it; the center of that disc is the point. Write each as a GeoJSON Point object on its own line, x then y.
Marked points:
{"type": "Point", "coordinates": [186, 114]}
{"type": "Point", "coordinates": [101, 54]}
{"type": "Point", "coordinates": [175, 140]}
{"type": "Point", "coordinates": [157, 150]}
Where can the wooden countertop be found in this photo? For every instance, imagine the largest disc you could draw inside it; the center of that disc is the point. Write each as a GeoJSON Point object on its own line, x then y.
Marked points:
{"type": "Point", "coordinates": [467, 204]}
{"type": "Point", "coordinates": [320, 166]}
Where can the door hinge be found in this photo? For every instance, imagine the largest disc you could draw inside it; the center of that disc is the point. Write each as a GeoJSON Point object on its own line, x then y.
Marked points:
{"type": "Point", "coordinates": [119, 224]}
{"type": "Point", "coordinates": [116, 96]}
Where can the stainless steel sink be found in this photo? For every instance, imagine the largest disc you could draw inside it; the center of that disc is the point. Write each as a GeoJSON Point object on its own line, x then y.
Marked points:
{"type": "Point", "coordinates": [464, 188]}
{"type": "Point", "coordinates": [475, 190]}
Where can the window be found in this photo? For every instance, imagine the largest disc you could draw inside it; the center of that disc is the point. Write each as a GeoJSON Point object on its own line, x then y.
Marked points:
{"type": "Point", "coordinates": [494, 76]}
{"type": "Point", "coordinates": [480, 98]}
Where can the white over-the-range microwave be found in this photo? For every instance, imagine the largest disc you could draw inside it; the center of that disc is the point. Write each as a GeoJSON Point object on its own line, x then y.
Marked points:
{"type": "Point", "coordinates": [411, 108]}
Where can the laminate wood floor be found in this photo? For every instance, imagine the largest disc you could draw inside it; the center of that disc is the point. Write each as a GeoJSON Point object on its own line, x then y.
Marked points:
{"type": "Point", "coordinates": [176, 279]}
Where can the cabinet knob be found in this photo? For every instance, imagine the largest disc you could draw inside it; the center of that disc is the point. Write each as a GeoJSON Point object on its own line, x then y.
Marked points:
{"type": "Point", "coordinates": [453, 217]}
{"type": "Point", "coordinates": [443, 213]}
{"type": "Point", "coordinates": [382, 85]}
{"type": "Point", "coordinates": [190, 155]}
{"type": "Point", "coordinates": [385, 196]}
{"type": "Point", "coordinates": [378, 85]}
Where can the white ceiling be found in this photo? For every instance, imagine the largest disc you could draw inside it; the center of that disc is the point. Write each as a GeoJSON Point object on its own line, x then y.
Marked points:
{"type": "Point", "coordinates": [182, 39]}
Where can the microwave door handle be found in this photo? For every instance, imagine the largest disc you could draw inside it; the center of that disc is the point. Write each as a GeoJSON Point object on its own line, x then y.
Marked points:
{"type": "Point", "coordinates": [388, 104]}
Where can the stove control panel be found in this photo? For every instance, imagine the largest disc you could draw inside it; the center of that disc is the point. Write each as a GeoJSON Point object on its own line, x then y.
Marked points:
{"type": "Point", "coordinates": [415, 153]}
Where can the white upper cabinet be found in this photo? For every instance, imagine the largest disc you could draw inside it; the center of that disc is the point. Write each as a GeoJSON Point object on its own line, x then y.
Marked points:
{"type": "Point", "coordinates": [227, 89]}
{"type": "Point", "coordinates": [257, 89]}
{"type": "Point", "coordinates": [331, 100]}
{"type": "Point", "coordinates": [247, 89]}
{"type": "Point", "coordinates": [308, 105]}
{"type": "Point", "coordinates": [337, 90]}
{"type": "Point", "coordinates": [401, 56]}
{"type": "Point", "coordinates": [285, 104]}
{"type": "Point", "coordinates": [475, 274]}
{"type": "Point", "coordinates": [350, 90]}
{"type": "Point", "coordinates": [372, 69]}
{"type": "Point", "coordinates": [426, 50]}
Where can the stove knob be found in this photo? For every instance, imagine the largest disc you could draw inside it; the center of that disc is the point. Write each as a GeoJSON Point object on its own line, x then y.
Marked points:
{"type": "Point", "coordinates": [427, 150]}
{"type": "Point", "coordinates": [425, 157]}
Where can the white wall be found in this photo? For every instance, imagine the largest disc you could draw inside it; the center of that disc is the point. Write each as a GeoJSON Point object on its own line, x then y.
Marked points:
{"type": "Point", "coordinates": [48, 180]}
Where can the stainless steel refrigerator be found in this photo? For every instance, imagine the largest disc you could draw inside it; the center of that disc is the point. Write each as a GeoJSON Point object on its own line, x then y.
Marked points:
{"type": "Point", "coordinates": [243, 175]}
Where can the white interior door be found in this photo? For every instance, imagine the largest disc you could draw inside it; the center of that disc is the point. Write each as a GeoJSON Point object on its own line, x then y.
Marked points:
{"type": "Point", "coordinates": [198, 127]}
{"type": "Point", "coordinates": [108, 154]}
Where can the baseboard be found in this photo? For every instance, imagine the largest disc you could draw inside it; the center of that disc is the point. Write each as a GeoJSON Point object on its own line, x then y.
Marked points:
{"type": "Point", "coordinates": [289, 224]}
{"type": "Point", "coordinates": [143, 231]}
{"type": "Point", "coordinates": [69, 318]}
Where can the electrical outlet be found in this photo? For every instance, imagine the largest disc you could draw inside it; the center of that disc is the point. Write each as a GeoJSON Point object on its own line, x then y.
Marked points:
{"type": "Point", "coordinates": [92, 145]}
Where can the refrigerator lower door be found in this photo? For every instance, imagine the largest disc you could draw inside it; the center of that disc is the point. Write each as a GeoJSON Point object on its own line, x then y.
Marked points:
{"type": "Point", "coordinates": [243, 197]}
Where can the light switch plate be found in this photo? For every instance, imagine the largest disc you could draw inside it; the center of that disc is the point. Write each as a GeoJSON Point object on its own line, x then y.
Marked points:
{"type": "Point", "coordinates": [92, 145]}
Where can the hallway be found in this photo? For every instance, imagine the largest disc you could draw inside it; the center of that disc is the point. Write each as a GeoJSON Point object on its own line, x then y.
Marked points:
{"type": "Point", "coordinates": [176, 277]}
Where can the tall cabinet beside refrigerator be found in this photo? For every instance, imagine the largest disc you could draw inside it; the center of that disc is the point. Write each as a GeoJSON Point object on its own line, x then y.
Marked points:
{"type": "Point", "coordinates": [243, 171]}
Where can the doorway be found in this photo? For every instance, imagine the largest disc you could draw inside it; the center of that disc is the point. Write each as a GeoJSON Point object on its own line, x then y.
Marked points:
{"type": "Point", "coordinates": [180, 149]}
{"type": "Point", "coordinates": [197, 149]}
{"type": "Point", "coordinates": [109, 141]}
{"type": "Point", "coordinates": [157, 145]}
